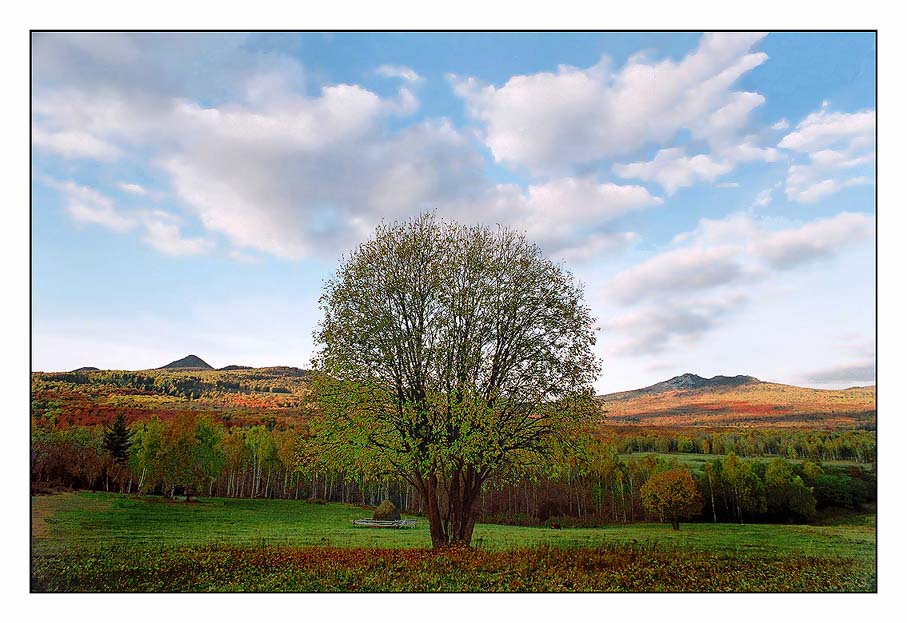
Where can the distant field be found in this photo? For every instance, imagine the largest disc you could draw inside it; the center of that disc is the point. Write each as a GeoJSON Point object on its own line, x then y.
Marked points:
{"type": "Point", "coordinates": [697, 461]}
{"type": "Point", "coordinates": [85, 541]}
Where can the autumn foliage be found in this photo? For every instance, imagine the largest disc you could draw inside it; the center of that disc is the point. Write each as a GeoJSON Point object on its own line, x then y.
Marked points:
{"type": "Point", "coordinates": [672, 495]}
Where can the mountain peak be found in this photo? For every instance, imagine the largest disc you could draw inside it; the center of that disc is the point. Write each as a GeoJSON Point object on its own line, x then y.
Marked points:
{"type": "Point", "coordinates": [689, 380]}
{"type": "Point", "coordinates": [187, 362]}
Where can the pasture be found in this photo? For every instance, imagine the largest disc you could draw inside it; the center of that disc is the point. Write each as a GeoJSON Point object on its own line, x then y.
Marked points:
{"type": "Point", "coordinates": [96, 541]}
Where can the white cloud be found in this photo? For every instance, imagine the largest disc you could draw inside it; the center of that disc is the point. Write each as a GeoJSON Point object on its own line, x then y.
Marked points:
{"type": "Point", "coordinates": [781, 124]}
{"type": "Point", "coordinates": [673, 169]}
{"type": "Point", "coordinates": [566, 217]}
{"type": "Point", "coordinates": [86, 205]}
{"type": "Point", "coordinates": [764, 198]}
{"type": "Point", "coordinates": [822, 129]}
{"type": "Point", "coordinates": [835, 144]}
{"type": "Point", "coordinates": [819, 239]}
{"type": "Point", "coordinates": [659, 328]}
{"type": "Point", "coordinates": [73, 144]}
{"type": "Point", "coordinates": [134, 189]}
{"type": "Point", "coordinates": [161, 230]}
{"type": "Point", "coordinates": [680, 270]}
{"type": "Point", "coordinates": [298, 175]}
{"type": "Point", "coordinates": [727, 185]}
{"type": "Point", "coordinates": [398, 71]}
{"type": "Point", "coordinates": [721, 256]}
{"type": "Point", "coordinates": [549, 120]}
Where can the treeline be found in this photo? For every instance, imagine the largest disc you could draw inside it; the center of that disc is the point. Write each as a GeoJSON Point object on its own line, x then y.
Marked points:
{"type": "Point", "coordinates": [193, 455]}
{"type": "Point", "coordinates": [857, 445]}
{"type": "Point", "coordinates": [178, 385]}
{"type": "Point", "coordinates": [608, 490]}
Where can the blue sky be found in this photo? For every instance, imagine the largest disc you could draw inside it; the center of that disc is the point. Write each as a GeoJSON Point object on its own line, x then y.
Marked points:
{"type": "Point", "coordinates": [715, 193]}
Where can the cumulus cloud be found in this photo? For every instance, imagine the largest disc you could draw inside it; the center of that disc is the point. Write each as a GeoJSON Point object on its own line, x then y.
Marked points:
{"type": "Point", "coordinates": [547, 120]}
{"type": "Point", "coordinates": [673, 169]}
{"type": "Point", "coordinates": [822, 129]}
{"type": "Point", "coordinates": [568, 217]}
{"type": "Point", "coordinates": [298, 174]}
{"type": "Point", "coordinates": [834, 145]}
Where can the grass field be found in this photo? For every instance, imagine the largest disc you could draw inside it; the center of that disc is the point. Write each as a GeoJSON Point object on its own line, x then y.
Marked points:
{"type": "Point", "coordinates": [95, 541]}
{"type": "Point", "coordinates": [697, 461]}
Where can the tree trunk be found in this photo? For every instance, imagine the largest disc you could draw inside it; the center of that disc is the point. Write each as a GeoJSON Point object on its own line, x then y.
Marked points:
{"type": "Point", "coordinates": [454, 528]}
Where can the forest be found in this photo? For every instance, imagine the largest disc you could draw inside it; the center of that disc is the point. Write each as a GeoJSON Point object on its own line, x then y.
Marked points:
{"type": "Point", "coordinates": [230, 434]}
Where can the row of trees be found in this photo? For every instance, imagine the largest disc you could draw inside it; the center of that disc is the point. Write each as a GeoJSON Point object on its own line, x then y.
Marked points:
{"type": "Point", "coordinates": [859, 446]}
{"type": "Point", "coordinates": [593, 484]}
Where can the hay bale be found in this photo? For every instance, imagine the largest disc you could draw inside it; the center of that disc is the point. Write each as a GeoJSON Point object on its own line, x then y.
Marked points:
{"type": "Point", "coordinates": [386, 511]}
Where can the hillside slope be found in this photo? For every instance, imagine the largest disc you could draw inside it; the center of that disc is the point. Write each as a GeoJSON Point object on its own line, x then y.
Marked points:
{"type": "Point", "coordinates": [691, 400]}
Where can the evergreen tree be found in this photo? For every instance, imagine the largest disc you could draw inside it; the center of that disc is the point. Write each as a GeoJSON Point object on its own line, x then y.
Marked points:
{"type": "Point", "coordinates": [118, 439]}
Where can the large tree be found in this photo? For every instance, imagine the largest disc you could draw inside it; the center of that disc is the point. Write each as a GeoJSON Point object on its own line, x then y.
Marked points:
{"type": "Point", "coordinates": [448, 355]}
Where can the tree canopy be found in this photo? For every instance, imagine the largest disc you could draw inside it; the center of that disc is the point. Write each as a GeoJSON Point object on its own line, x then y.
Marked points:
{"type": "Point", "coordinates": [671, 495]}
{"type": "Point", "coordinates": [449, 354]}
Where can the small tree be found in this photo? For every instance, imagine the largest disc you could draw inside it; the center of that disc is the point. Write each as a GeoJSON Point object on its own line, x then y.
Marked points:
{"type": "Point", "coordinates": [118, 439]}
{"type": "Point", "coordinates": [671, 495]}
{"type": "Point", "coordinates": [448, 355]}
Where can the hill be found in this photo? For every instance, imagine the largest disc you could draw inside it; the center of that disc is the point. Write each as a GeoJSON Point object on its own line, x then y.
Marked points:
{"type": "Point", "coordinates": [87, 369]}
{"type": "Point", "coordinates": [189, 362]}
{"type": "Point", "coordinates": [281, 394]}
{"type": "Point", "coordinates": [692, 400]}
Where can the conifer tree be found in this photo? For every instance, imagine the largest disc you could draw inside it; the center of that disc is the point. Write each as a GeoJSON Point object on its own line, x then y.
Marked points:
{"type": "Point", "coordinates": [118, 439]}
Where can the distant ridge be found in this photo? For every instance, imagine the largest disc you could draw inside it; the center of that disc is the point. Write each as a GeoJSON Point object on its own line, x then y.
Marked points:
{"type": "Point", "coordinates": [188, 362]}
{"type": "Point", "coordinates": [692, 400]}
{"type": "Point", "coordinates": [689, 380]}
{"type": "Point", "coordinates": [86, 369]}
{"type": "Point", "coordinates": [235, 367]}
{"type": "Point", "coordinates": [694, 381]}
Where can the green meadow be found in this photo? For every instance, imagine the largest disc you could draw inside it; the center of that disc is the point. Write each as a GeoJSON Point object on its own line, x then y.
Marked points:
{"type": "Point", "coordinates": [96, 541]}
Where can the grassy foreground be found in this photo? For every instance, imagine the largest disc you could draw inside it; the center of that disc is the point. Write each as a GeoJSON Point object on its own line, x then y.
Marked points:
{"type": "Point", "coordinates": [101, 542]}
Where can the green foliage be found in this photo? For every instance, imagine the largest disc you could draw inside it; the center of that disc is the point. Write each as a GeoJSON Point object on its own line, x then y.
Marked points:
{"type": "Point", "coordinates": [447, 355]}
{"type": "Point", "coordinates": [786, 494]}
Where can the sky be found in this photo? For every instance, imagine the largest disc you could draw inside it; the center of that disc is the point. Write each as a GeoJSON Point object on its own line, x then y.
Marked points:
{"type": "Point", "coordinates": [715, 193]}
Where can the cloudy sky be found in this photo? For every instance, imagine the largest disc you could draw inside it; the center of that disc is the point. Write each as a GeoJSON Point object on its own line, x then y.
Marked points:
{"type": "Point", "coordinates": [714, 192]}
